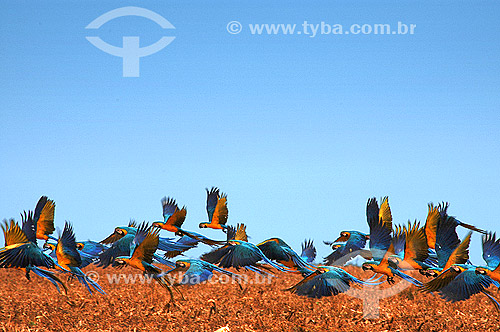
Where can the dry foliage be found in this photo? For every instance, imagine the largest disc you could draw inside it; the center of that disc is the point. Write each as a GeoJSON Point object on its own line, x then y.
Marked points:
{"type": "Point", "coordinates": [36, 306]}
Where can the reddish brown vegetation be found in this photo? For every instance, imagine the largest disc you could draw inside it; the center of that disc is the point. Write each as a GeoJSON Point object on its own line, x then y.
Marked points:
{"type": "Point", "coordinates": [36, 306]}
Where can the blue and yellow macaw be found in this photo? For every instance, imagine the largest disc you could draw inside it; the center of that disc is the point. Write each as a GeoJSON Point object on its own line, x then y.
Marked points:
{"type": "Point", "coordinates": [308, 251]}
{"type": "Point", "coordinates": [383, 246]}
{"type": "Point", "coordinates": [491, 255]}
{"type": "Point", "coordinates": [351, 243]}
{"type": "Point", "coordinates": [122, 244]}
{"type": "Point", "coordinates": [89, 252]}
{"type": "Point", "coordinates": [326, 281]}
{"type": "Point", "coordinates": [276, 249]}
{"type": "Point", "coordinates": [237, 253]}
{"type": "Point", "coordinates": [43, 218]}
{"type": "Point", "coordinates": [146, 240]}
{"type": "Point", "coordinates": [414, 252]}
{"type": "Point", "coordinates": [69, 259]}
{"type": "Point", "coordinates": [24, 254]}
{"type": "Point", "coordinates": [216, 209]}
{"type": "Point", "coordinates": [198, 271]}
{"type": "Point", "coordinates": [174, 218]}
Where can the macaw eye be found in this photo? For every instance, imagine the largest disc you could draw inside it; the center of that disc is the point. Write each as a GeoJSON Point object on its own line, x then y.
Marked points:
{"type": "Point", "coordinates": [457, 269]}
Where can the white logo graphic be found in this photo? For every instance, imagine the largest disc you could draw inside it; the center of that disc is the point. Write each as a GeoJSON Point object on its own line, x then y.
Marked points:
{"type": "Point", "coordinates": [130, 51]}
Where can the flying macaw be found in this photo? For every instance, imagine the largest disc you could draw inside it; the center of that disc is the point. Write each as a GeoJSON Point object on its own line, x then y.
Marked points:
{"type": "Point", "coordinates": [382, 247]}
{"type": "Point", "coordinates": [24, 254]}
{"type": "Point", "coordinates": [173, 220]}
{"type": "Point", "coordinates": [89, 251]}
{"type": "Point", "coordinates": [239, 253]}
{"type": "Point", "coordinates": [351, 243]}
{"type": "Point", "coordinates": [276, 249]}
{"type": "Point", "coordinates": [197, 271]}
{"type": "Point", "coordinates": [308, 251]}
{"type": "Point", "coordinates": [146, 241]}
{"type": "Point", "coordinates": [216, 209]}
{"type": "Point", "coordinates": [122, 244]}
{"type": "Point", "coordinates": [414, 254]}
{"type": "Point", "coordinates": [69, 258]}
{"type": "Point", "coordinates": [491, 255]}
{"type": "Point", "coordinates": [326, 281]}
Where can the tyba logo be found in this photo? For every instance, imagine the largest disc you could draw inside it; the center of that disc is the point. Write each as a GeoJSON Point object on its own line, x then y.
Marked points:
{"type": "Point", "coordinates": [130, 51]}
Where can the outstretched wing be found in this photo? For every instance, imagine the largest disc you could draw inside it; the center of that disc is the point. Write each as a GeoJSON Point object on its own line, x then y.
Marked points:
{"type": "Point", "coordinates": [491, 250]}
{"type": "Point", "coordinates": [29, 226]}
{"type": "Point", "coordinates": [431, 225]}
{"type": "Point", "coordinates": [66, 251]}
{"type": "Point", "coordinates": [372, 210]}
{"type": "Point", "coordinates": [461, 254]}
{"type": "Point", "coordinates": [13, 233]}
{"type": "Point", "coordinates": [380, 238]}
{"type": "Point", "coordinates": [147, 247]}
{"type": "Point", "coordinates": [308, 251]}
{"type": "Point", "coordinates": [221, 212]}
{"type": "Point", "coordinates": [385, 212]}
{"type": "Point", "coordinates": [212, 198]}
{"type": "Point", "coordinates": [241, 233]}
{"type": "Point", "coordinates": [44, 218]}
{"type": "Point", "coordinates": [237, 233]}
{"type": "Point", "coordinates": [272, 250]}
{"type": "Point", "coordinates": [416, 248]}
{"type": "Point", "coordinates": [464, 286]}
{"type": "Point", "coordinates": [172, 215]}
{"type": "Point", "coordinates": [440, 281]}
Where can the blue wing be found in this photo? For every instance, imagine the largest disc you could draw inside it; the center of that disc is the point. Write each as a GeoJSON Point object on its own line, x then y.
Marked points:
{"type": "Point", "coordinates": [169, 207]}
{"type": "Point", "coordinates": [380, 238]}
{"type": "Point", "coordinates": [212, 199]}
{"type": "Point", "coordinates": [491, 250]}
{"type": "Point", "coordinates": [308, 251]}
{"type": "Point", "coordinates": [464, 286]}
{"type": "Point", "coordinates": [121, 247]}
{"type": "Point", "coordinates": [24, 255]}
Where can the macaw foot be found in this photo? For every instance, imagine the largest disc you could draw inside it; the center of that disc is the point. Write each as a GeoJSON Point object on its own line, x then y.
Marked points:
{"type": "Point", "coordinates": [390, 280]}
{"type": "Point", "coordinates": [213, 308]}
{"type": "Point", "coordinates": [424, 272]}
{"type": "Point", "coordinates": [180, 293]}
{"type": "Point", "coordinates": [28, 274]}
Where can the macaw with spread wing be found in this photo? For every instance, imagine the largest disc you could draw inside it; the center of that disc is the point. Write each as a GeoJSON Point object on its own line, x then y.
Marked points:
{"type": "Point", "coordinates": [216, 209]}
{"type": "Point", "coordinates": [23, 253]}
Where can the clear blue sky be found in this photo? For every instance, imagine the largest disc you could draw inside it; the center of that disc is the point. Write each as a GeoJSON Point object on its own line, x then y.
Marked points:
{"type": "Point", "coordinates": [298, 131]}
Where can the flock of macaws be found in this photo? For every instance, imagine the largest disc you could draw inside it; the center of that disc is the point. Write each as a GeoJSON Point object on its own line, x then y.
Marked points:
{"type": "Point", "coordinates": [434, 249]}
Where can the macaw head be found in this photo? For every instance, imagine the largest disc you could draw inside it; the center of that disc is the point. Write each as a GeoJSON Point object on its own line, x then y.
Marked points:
{"type": "Point", "coordinates": [120, 261]}
{"type": "Point", "coordinates": [482, 271]}
{"type": "Point", "coordinates": [369, 266]}
{"type": "Point", "coordinates": [182, 265]}
{"type": "Point", "coordinates": [157, 224]}
{"type": "Point", "coordinates": [344, 236]}
{"type": "Point", "coordinates": [203, 225]}
{"type": "Point", "coordinates": [121, 231]}
{"type": "Point", "coordinates": [458, 268]}
{"type": "Point", "coordinates": [431, 272]}
{"type": "Point", "coordinates": [394, 261]}
{"type": "Point", "coordinates": [80, 245]}
{"type": "Point", "coordinates": [49, 246]}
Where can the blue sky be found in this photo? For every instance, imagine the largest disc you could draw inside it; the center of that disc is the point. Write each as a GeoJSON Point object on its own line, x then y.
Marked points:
{"type": "Point", "coordinates": [298, 131]}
